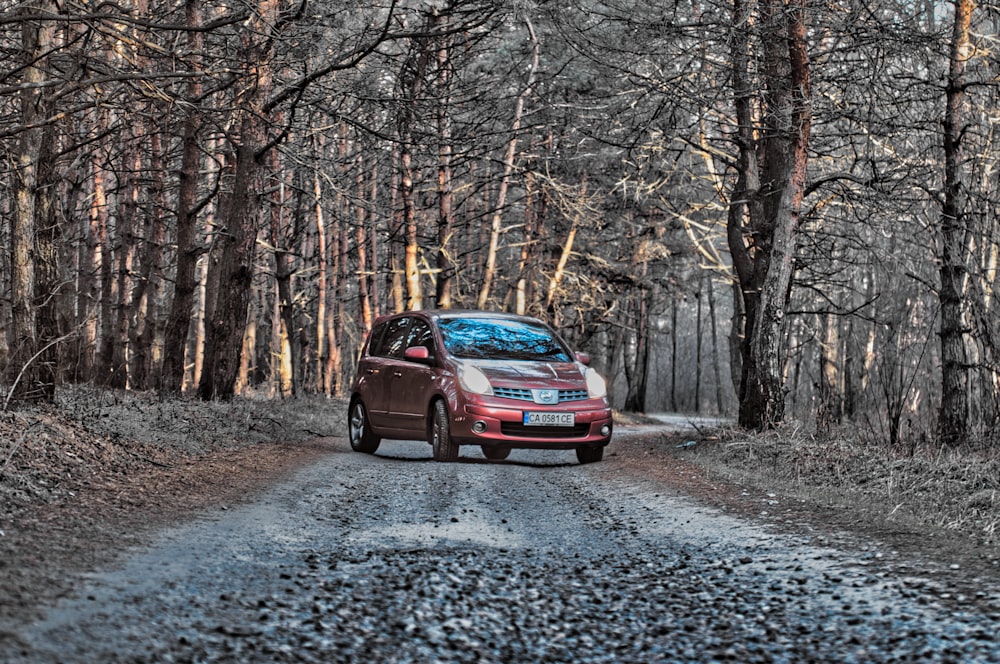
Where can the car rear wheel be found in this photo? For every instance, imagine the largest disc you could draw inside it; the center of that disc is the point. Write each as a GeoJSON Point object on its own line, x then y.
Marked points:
{"type": "Point", "coordinates": [589, 454]}
{"type": "Point", "coordinates": [362, 438]}
{"type": "Point", "coordinates": [444, 447]}
{"type": "Point", "coordinates": [495, 453]}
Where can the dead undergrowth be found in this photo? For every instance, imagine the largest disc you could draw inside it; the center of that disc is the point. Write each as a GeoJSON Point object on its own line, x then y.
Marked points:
{"type": "Point", "coordinates": [100, 438]}
{"type": "Point", "coordinates": [955, 489]}
{"type": "Point", "coordinates": [94, 436]}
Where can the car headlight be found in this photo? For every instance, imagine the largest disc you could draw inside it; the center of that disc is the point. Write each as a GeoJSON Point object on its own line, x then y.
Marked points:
{"type": "Point", "coordinates": [473, 380]}
{"type": "Point", "coordinates": [596, 386]}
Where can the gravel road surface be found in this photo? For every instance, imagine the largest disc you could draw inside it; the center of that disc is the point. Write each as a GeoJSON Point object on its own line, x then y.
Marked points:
{"type": "Point", "coordinates": [396, 558]}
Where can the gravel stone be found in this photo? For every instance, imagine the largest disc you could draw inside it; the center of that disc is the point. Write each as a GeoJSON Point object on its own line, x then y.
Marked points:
{"type": "Point", "coordinates": [395, 558]}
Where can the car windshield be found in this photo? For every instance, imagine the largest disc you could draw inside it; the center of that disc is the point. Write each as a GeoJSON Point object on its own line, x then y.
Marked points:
{"type": "Point", "coordinates": [500, 339]}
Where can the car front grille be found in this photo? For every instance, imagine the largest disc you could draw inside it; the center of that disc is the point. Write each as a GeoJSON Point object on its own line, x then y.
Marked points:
{"type": "Point", "coordinates": [519, 430]}
{"type": "Point", "coordinates": [522, 394]}
{"type": "Point", "coordinates": [512, 393]}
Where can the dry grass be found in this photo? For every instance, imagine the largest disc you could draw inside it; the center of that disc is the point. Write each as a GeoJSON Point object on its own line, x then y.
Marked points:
{"type": "Point", "coordinates": [95, 436]}
{"type": "Point", "coordinates": [953, 489]}
{"type": "Point", "coordinates": [92, 435]}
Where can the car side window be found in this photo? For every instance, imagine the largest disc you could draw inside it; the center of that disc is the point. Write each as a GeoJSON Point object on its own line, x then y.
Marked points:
{"type": "Point", "coordinates": [375, 344]}
{"type": "Point", "coordinates": [420, 335]}
{"type": "Point", "coordinates": [394, 339]}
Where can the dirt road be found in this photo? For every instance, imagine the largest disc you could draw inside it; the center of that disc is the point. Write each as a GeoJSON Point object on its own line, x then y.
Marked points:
{"type": "Point", "coordinates": [396, 558]}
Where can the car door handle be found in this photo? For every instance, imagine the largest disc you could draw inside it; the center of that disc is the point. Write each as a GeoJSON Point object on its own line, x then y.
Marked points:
{"type": "Point", "coordinates": [397, 374]}
{"type": "Point", "coordinates": [372, 372]}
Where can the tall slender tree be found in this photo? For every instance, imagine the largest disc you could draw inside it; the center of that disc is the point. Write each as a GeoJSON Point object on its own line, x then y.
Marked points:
{"type": "Point", "coordinates": [954, 273]}
{"type": "Point", "coordinates": [29, 223]}
{"type": "Point", "coordinates": [765, 208]}
{"type": "Point", "coordinates": [187, 250]}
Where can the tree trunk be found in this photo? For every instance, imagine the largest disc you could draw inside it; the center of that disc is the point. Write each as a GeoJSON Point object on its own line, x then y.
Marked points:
{"type": "Point", "coordinates": [397, 228]}
{"type": "Point", "coordinates": [411, 81]}
{"type": "Point", "coordinates": [241, 209]}
{"type": "Point", "coordinates": [226, 321]}
{"type": "Point", "coordinates": [117, 376]}
{"type": "Point", "coordinates": [361, 247]}
{"type": "Point", "coordinates": [637, 372]}
{"type": "Point", "coordinates": [411, 266]}
{"type": "Point", "coordinates": [146, 297]}
{"type": "Point", "coordinates": [673, 355]}
{"type": "Point", "coordinates": [763, 251]}
{"type": "Point", "coordinates": [489, 270]}
{"type": "Point", "coordinates": [698, 347]}
{"type": "Point", "coordinates": [88, 285]}
{"type": "Point", "coordinates": [322, 261]}
{"type": "Point", "coordinates": [720, 404]}
{"type": "Point", "coordinates": [954, 415]}
{"type": "Point", "coordinates": [283, 271]}
{"type": "Point", "coordinates": [26, 377]}
{"type": "Point", "coordinates": [830, 409]}
{"type": "Point", "coordinates": [373, 249]}
{"type": "Point", "coordinates": [185, 281]}
{"type": "Point", "coordinates": [567, 250]}
{"type": "Point", "coordinates": [445, 263]}
{"type": "Point", "coordinates": [519, 290]}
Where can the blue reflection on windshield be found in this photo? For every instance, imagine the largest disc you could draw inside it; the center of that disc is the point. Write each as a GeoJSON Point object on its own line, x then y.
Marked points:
{"type": "Point", "coordinates": [497, 339]}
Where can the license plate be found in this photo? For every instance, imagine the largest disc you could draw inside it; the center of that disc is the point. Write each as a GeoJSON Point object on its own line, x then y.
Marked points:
{"type": "Point", "coordinates": [535, 419]}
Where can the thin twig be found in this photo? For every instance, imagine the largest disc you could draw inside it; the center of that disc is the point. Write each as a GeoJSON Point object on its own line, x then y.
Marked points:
{"type": "Point", "coordinates": [20, 374]}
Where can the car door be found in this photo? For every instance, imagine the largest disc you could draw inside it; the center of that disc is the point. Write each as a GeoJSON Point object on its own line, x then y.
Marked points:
{"type": "Point", "coordinates": [377, 368]}
{"type": "Point", "coordinates": [413, 382]}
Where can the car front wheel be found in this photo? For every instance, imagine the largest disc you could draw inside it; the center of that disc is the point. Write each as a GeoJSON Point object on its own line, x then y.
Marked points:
{"type": "Point", "coordinates": [589, 454]}
{"type": "Point", "coordinates": [444, 447]}
{"type": "Point", "coordinates": [362, 438]}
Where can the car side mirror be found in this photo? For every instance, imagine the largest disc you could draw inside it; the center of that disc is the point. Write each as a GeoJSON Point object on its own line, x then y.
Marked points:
{"type": "Point", "coordinates": [418, 354]}
{"type": "Point", "coordinates": [583, 358]}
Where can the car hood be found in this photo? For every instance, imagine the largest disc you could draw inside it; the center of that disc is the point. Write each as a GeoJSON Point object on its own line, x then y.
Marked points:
{"type": "Point", "coordinates": [522, 373]}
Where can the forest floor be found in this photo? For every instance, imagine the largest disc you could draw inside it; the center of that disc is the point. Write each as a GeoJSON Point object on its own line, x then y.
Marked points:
{"type": "Point", "coordinates": [100, 471]}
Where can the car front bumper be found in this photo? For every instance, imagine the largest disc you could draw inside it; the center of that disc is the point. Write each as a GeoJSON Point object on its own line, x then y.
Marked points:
{"type": "Point", "coordinates": [501, 425]}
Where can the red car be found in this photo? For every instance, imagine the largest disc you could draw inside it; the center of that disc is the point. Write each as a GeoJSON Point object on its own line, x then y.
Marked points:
{"type": "Point", "coordinates": [495, 380]}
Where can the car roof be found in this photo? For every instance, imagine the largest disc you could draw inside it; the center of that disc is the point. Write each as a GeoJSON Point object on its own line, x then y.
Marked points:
{"type": "Point", "coordinates": [460, 313]}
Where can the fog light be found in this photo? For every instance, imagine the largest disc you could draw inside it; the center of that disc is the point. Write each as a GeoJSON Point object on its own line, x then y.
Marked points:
{"type": "Point", "coordinates": [479, 426]}
{"type": "Point", "coordinates": [606, 430]}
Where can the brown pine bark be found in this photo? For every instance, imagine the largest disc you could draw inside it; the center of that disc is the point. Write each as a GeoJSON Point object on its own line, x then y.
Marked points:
{"type": "Point", "coordinates": [374, 249]}
{"type": "Point", "coordinates": [87, 284]}
{"type": "Point", "coordinates": [519, 289]}
{"type": "Point", "coordinates": [116, 374]}
{"type": "Point", "coordinates": [636, 364]}
{"type": "Point", "coordinates": [233, 272]}
{"type": "Point", "coordinates": [954, 414]}
{"type": "Point", "coordinates": [240, 212]}
{"type": "Point", "coordinates": [109, 295]}
{"type": "Point", "coordinates": [830, 409]}
{"type": "Point", "coordinates": [361, 245]}
{"type": "Point", "coordinates": [178, 322]}
{"type": "Point", "coordinates": [577, 206]}
{"type": "Point", "coordinates": [764, 216]}
{"type": "Point", "coordinates": [286, 355]}
{"type": "Point", "coordinates": [396, 230]}
{"type": "Point", "coordinates": [445, 221]}
{"type": "Point", "coordinates": [29, 381]}
{"type": "Point", "coordinates": [148, 288]}
{"type": "Point", "coordinates": [322, 259]}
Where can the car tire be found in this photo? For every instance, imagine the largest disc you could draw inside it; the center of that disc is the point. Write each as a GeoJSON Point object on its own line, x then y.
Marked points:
{"type": "Point", "coordinates": [589, 453]}
{"type": "Point", "coordinates": [495, 453]}
{"type": "Point", "coordinates": [440, 439]}
{"type": "Point", "coordinates": [360, 430]}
